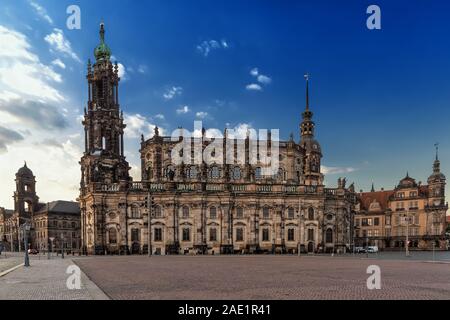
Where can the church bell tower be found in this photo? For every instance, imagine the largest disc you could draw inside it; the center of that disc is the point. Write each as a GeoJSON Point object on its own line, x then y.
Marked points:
{"type": "Point", "coordinates": [103, 160]}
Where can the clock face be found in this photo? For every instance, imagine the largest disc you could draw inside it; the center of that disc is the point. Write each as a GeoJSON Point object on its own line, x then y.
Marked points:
{"type": "Point", "coordinates": [437, 202]}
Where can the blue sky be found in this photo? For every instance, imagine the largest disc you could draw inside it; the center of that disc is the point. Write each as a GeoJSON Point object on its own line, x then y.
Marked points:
{"type": "Point", "coordinates": [380, 97]}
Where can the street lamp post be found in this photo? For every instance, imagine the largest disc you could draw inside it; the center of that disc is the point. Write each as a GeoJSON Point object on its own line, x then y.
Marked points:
{"type": "Point", "coordinates": [62, 245]}
{"type": "Point", "coordinates": [51, 245]}
{"type": "Point", "coordinates": [407, 234]}
{"type": "Point", "coordinates": [26, 228]}
{"type": "Point", "coordinates": [150, 213]}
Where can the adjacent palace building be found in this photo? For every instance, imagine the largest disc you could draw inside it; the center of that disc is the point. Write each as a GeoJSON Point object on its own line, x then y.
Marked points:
{"type": "Point", "coordinates": [223, 207]}
{"type": "Point", "coordinates": [54, 225]}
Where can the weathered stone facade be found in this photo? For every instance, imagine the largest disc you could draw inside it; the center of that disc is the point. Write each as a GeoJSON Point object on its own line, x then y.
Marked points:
{"type": "Point", "coordinates": [222, 207]}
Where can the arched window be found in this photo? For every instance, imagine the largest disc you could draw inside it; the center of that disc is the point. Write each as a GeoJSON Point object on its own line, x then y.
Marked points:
{"type": "Point", "coordinates": [280, 174]}
{"type": "Point", "coordinates": [266, 213]}
{"type": "Point", "coordinates": [329, 236]}
{"type": "Point", "coordinates": [236, 173]}
{"type": "Point", "coordinates": [112, 236]}
{"type": "Point", "coordinates": [170, 172]}
{"type": "Point", "coordinates": [185, 212]}
{"type": "Point", "coordinates": [239, 213]}
{"type": "Point", "coordinates": [157, 211]}
{"type": "Point", "coordinates": [213, 213]}
{"type": "Point", "coordinates": [214, 173]}
{"type": "Point", "coordinates": [291, 213]}
{"type": "Point", "coordinates": [192, 172]}
{"type": "Point", "coordinates": [310, 214]}
{"type": "Point", "coordinates": [258, 173]}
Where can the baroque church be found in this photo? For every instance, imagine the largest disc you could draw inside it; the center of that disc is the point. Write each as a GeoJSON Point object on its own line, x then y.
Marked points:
{"type": "Point", "coordinates": [185, 208]}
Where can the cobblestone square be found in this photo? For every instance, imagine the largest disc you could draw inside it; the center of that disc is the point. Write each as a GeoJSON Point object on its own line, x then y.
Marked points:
{"type": "Point", "coordinates": [264, 277]}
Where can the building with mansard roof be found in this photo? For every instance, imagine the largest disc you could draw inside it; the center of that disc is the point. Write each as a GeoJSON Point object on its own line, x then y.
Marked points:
{"type": "Point", "coordinates": [411, 213]}
{"type": "Point", "coordinates": [191, 207]}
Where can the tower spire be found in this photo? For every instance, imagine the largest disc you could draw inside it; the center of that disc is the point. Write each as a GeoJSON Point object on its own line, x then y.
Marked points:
{"type": "Point", "coordinates": [373, 187]}
{"type": "Point", "coordinates": [307, 91]}
{"type": "Point", "coordinates": [102, 32]}
{"type": "Point", "coordinates": [436, 145]}
{"type": "Point", "coordinates": [307, 125]}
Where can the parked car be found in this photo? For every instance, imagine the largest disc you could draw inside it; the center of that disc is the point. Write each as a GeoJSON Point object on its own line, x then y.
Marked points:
{"type": "Point", "coordinates": [33, 251]}
{"type": "Point", "coordinates": [373, 249]}
{"type": "Point", "coordinates": [360, 250]}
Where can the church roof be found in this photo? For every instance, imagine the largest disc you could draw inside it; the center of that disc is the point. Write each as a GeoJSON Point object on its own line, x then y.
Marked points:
{"type": "Point", "coordinates": [25, 171]}
{"type": "Point", "coordinates": [61, 207]}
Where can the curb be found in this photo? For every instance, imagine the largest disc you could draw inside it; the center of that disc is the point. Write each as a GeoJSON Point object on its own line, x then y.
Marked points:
{"type": "Point", "coordinates": [4, 273]}
{"type": "Point", "coordinates": [94, 291]}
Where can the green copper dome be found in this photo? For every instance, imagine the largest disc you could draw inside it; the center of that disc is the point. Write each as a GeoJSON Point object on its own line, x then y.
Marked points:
{"type": "Point", "coordinates": [102, 51]}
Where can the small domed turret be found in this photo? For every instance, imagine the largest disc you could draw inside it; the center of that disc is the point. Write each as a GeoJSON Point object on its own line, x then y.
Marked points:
{"type": "Point", "coordinates": [25, 172]}
{"type": "Point", "coordinates": [102, 51]}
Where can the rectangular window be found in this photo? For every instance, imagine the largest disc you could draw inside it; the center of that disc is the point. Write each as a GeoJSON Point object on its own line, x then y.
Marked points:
{"type": "Point", "coordinates": [376, 233]}
{"type": "Point", "coordinates": [186, 234]}
{"type": "Point", "coordinates": [158, 235]}
{"type": "Point", "coordinates": [213, 234]}
{"type": "Point", "coordinates": [291, 213]}
{"type": "Point", "coordinates": [239, 213]}
{"type": "Point", "coordinates": [135, 212]}
{"type": "Point", "coordinates": [239, 234]}
{"type": "Point", "coordinates": [291, 235]}
{"type": "Point", "coordinates": [310, 234]}
{"type": "Point", "coordinates": [135, 235]}
{"type": "Point", "coordinates": [376, 222]}
{"type": "Point", "coordinates": [388, 220]}
{"type": "Point", "coordinates": [265, 234]}
{"type": "Point", "coordinates": [266, 213]}
{"type": "Point", "coordinates": [357, 222]}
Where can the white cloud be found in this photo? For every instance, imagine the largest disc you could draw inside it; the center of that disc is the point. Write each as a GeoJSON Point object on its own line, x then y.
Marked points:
{"type": "Point", "coordinates": [206, 47]}
{"type": "Point", "coordinates": [58, 43]}
{"type": "Point", "coordinates": [201, 114]}
{"type": "Point", "coordinates": [264, 79]}
{"type": "Point", "coordinates": [337, 170]}
{"type": "Point", "coordinates": [160, 117]}
{"type": "Point", "coordinates": [135, 125]}
{"type": "Point", "coordinates": [58, 63]}
{"type": "Point", "coordinates": [261, 78]}
{"type": "Point", "coordinates": [172, 92]}
{"type": "Point", "coordinates": [41, 12]}
{"type": "Point", "coordinates": [36, 122]}
{"type": "Point", "coordinates": [22, 75]}
{"type": "Point", "coordinates": [122, 72]}
{"type": "Point", "coordinates": [240, 131]}
{"type": "Point", "coordinates": [183, 110]}
{"type": "Point", "coordinates": [254, 87]}
{"type": "Point", "coordinates": [142, 69]}
{"type": "Point", "coordinates": [138, 124]}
